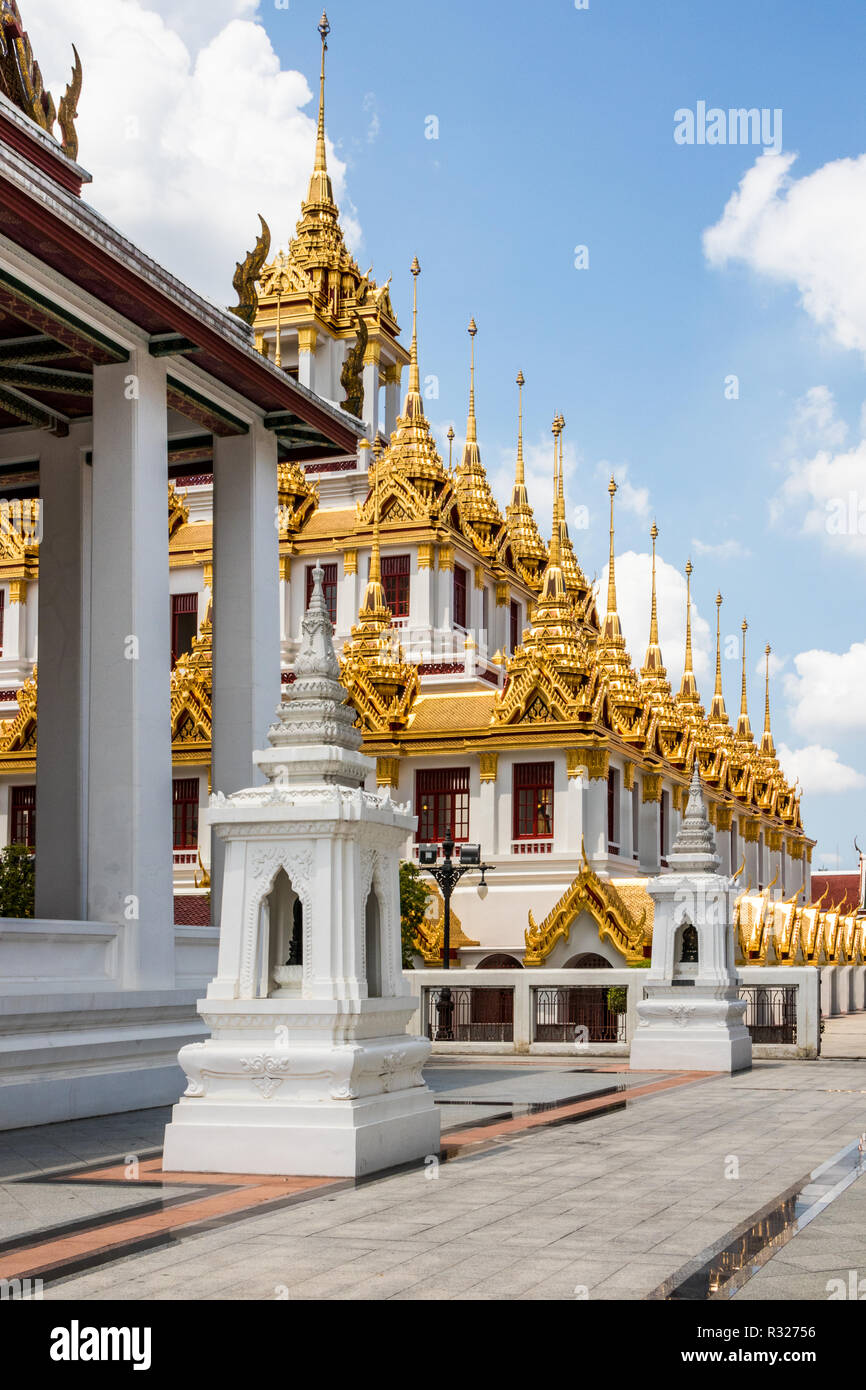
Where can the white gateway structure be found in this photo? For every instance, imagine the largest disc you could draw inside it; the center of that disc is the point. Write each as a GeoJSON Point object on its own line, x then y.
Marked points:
{"type": "Point", "coordinates": [692, 1017]}
{"type": "Point", "coordinates": [309, 1069]}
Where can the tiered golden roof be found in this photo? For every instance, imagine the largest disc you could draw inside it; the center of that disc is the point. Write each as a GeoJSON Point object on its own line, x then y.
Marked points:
{"type": "Point", "coordinates": [192, 696]}
{"type": "Point", "coordinates": [521, 530]}
{"type": "Point", "coordinates": [412, 481]}
{"type": "Point", "coordinates": [380, 683]}
{"type": "Point", "coordinates": [552, 675]}
{"type": "Point", "coordinates": [480, 518]}
{"type": "Point", "coordinates": [298, 499]}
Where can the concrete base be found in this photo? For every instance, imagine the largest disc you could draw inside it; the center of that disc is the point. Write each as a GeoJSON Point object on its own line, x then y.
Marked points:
{"type": "Point", "coordinates": [69, 1056]}
{"type": "Point", "coordinates": [348, 1138]}
{"type": "Point", "coordinates": [691, 1029]}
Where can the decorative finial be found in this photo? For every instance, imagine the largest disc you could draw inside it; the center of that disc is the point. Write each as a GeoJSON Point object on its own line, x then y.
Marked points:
{"type": "Point", "coordinates": [471, 432]}
{"type": "Point", "coordinates": [324, 28]}
{"type": "Point", "coordinates": [612, 620]}
{"type": "Point", "coordinates": [555, 533]}
{"type": "Point", "coordinates": [450, 449]}
{"type": "Point", "coordinates": [688, 687]}
{"type": "Point", "coordinates": [767, 744]}
{"type": "Point", "coordinates": [413, 396]}
{"type": "Point", "coordinates": [744, 729]}
{"type": "Point", "coordinates": [520, 476]}
{"type": "Point", "coordinates": [718, 712]}
{"type": "Point", "coordinates": [654, 616]}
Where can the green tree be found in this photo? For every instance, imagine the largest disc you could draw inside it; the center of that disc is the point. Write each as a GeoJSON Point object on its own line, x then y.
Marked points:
{"type": "Point", "coordinates": [17, 881]}
{"type": "Point", "coordinates": [414, 899]}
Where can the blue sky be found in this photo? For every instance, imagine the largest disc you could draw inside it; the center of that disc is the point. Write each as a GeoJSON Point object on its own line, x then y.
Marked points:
{"type": "Point", "coordinates": [556, 130]}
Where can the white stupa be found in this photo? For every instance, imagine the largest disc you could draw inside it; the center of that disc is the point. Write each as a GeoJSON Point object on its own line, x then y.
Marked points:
{"type": "Point", "coordinates": [309, 1069]}
{"type": "Point", "coordinates": [692, 1016]}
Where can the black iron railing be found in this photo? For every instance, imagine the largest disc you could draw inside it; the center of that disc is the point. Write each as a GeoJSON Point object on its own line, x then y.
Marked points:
{"type": "Point", "coordinates": [771, 1012]}
{"type": "Point", "coordinates": [462, 1013]}
{"type": "Point", "coordinates": [579, 1013]}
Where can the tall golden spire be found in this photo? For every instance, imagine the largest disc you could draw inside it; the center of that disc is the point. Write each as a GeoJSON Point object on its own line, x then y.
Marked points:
{"type": "Point", "coordinates": [480, 517]}
{"type": "Point", "coordinates": [471, 431]}
{"type": "Point", "coordinates": [767, 744]}
{"type": "Point", "coordinates": [688, 684]}
{"type": "Point", "coordinates": [320, 190]}
{"type": "Point", "coordinates": [555, 531]}
{"type": "Point", "coordinates": [744, 728]}
{"type": "Point", "coordinates": [520, 472]}
{"type": "Point", "coordinates": [611, 622]}
{"type": "Point", "coordinates": [413, 407]}
{"type": "Point", "coordinates": [373, 604]}
{"type": "Point", "coordinates": [528, 550]}
{"type": "Point", "coordinates": [718, 712]}
{"type": "Point", "coordinates": [653, 660]}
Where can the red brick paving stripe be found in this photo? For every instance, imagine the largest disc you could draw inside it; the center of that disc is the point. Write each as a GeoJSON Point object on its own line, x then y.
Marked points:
{"type": "Point", "coordinates": [581, 1107]}
{"type": "Point", "coordinates": [50, 1255]}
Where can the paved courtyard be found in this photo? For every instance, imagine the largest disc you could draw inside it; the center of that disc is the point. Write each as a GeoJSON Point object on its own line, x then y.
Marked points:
{"type": "Point", "coordinates": [556, 1180]}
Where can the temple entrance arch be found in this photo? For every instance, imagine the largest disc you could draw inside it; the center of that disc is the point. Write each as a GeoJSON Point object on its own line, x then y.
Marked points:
{"type": "Point", "coordinates": [499, 961]}
{"type": "Point", "coordinates": [588, 960]}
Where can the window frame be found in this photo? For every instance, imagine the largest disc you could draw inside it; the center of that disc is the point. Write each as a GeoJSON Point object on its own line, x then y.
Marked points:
{"type": "Point", "coordinates": [190, 600]}
{"type": "Point", "coordinates": [614, 828]}
{"type": "Point", "coordinates": [461, 587]}
{"type": "Point", "coordinates": [530, 782]}
{"type": "Point", "coordinates": [443, 784]}
{"type": "Point", "coordinates": [27, 810]}
{"type": "Point", "coordinates": [329, 588]}
{"type": "Point", "coordinates": [189, 834]}
{"type": "Point", "coordinates": [399, 607]}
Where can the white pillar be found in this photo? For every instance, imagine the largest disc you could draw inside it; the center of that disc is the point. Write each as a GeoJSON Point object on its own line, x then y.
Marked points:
{"type": "Point", "coordinates": [574, 802]}
{"type": "Point", "coordinates": [64, 614]}
{"type": "Point", "coordinates": [392, 398]}
{"type": "Point", "coordinates": [246, 629]}
{"type": "Point", "coordinates": [129, 816]}
{"type": "Point", "coordinates": [595, 818]}
{"type": "Point", "coordinates": [371, 395]}
{"type": "Point", "coordinates": [648, 829]}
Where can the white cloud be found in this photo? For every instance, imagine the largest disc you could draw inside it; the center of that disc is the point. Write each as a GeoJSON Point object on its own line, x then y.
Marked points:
{"type": "Point", "coordinates": [371, 108]}
{"type": "Point", "coordinates": [629, 498]}
{"type": "Point", "coordinates": [806, 232]}
{"type": "Point", "coordinates": [826, 490]}
{"type": "Point", "coordinates": [777, 664]}
{"type": "Point", "coordinates": [819, 770]}
{"type": "Point", "coordinates": [189, 131]}
{"type": "Point", "coordinates": [633, 596]}
{"type": "Point", "coordinates": [720, 550]}
{"type": "Point", "coordinates": [827, 691]}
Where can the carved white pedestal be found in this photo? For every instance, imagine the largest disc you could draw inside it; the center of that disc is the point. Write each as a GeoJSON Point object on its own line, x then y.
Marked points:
{"type": "Point", "coordinates": [309, 1069]}
{"type": "Point", "coordinates": [692, 1017]}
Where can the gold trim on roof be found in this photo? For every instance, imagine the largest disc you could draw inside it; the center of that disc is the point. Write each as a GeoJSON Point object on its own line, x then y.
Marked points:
{"type": "Point", "coordinates": [614, 918]}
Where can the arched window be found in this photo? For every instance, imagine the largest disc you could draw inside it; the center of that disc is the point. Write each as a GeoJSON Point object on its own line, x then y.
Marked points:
{"type": "Point", "coordinates": [590, 960]}
{"type": "Point", "coordinates": [499, 962]}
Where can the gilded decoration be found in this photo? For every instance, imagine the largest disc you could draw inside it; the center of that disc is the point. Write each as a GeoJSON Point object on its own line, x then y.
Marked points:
{"type": "Point", "coordinates": [388, 772]}
{"type": "Point", "coordinates": [489, 765]}
{"type": "Point", "coordinates": [528, 551]}
{"type": "Point", "coordinates": [502, 595]}
{"type": "Point", "coordinates": [21, 81]}
{"type": "Point", "coordinates": [652, 786]}
{"type": "Point", "coordinates": [425, 556]}
{"type": "Point", "coordinates": [771, 932]}
{"type": "Point", "coordinates": [628, 776]}
{"type": "Point", "coordinates": [192, 696]}
{"type": "Point", "coordinates": [18, 735]}
{"type": "Point", "coordinates": [350, 562]}
{"type": "Point", "coordinates": [18, 591]}
{"type": "Point", "coordinates": [247, 273]}
{"type": "Point", "coordinates": [446, 557]}
{"type": "Point", "coordinates": [615, 920]}
{"type": "Point", "coordinates": [297, 499]}
{"type": "Point", "coordinates": [430, 934]}
{"type": "Point", "coordinates": [480, 518]}
{"type": "Point", "coordinates": [178, 511]}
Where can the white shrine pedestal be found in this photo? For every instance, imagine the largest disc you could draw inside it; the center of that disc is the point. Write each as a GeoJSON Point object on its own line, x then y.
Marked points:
{"type": "Point", "coordinates": [692, 1017]}
{"type": "Point", "coordinates": [309, 1069]}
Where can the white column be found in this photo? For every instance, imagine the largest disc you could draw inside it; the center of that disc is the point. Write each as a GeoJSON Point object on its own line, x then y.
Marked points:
{"type": "Point", "coordinates": [595, 818]}
{"type": "Point", "coordinates": [648, 827]}
{"type": "Point", "coordinates": [246, 642]}
{"type": "Point", "coordinates": [626, 848]}
{"type": "Point", "coordinates": [574, 803]}
{"type": "Point", "coordinates": [129, 792]}
{"type": "Point", "coordinates": [392, 398]}
{"type": "Point", "coordinates": [371, 394]}
{"type": "Point", "coordinates": [64, 612]}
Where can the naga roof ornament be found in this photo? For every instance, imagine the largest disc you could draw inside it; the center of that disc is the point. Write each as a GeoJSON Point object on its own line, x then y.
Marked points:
{"type": "Point", "coordinates": [21, 81]}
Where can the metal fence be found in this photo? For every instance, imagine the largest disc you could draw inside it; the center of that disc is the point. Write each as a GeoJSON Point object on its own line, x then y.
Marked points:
{"type": "Point", "coordinates": [771, 1012]}
{"type": "Point", "coordinates": [466, 1014]}
{"type": "Point", "coordinates": [576, 1014]}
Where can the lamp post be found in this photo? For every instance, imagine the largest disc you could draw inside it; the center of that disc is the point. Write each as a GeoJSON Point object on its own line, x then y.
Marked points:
{"type": "Point", "coordinates": [448, 874]}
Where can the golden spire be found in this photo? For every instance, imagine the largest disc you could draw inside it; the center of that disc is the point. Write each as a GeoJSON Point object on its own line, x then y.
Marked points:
{"type": "Point", "coordinates": [555, 533]}
{"type": "Point", "coordinates": [471, 434]}
{"type": "Point", "coordinates": [413, 407]}
{"type": "Point", "coordinates": [767, 744]}
{"type": "Point", "coordinates": [744, 728]}
{"type": "Point", "coordinates": [611, 622]}
{"type": "Point", "coordinates": [563, 524]}
{"type": "Point", "coordinates": [373, 604]}
{"type": "Point", "coordinates": [520, 475]}
{"type": "Point", "coordinates": [688, 684]}
{"type": "Point", "coordinates": [529, 554]}
{"type": "Point", "coordinates": [718, 712]}
{"type": "Point", "coordinates": [450, 450]}
{"type": "Point", "coordinates": [653, 660]}
{"type": "Point", "coordinates": [320, 183]}
{"type": "Point", "coordinates": [480, 517]}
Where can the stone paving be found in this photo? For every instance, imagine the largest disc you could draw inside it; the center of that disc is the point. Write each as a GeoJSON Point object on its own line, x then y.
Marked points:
{"type": "Point", "coordinates": [608, 1208]}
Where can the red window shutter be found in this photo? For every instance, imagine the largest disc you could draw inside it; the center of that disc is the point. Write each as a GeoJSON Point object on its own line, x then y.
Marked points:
{"type": "Point", "coordinates": [185, 795]}
{"type": "Point", "coordinates": [442, 804]}
{"type": "Point", "coordinates": [329, 589]}
{"type": "Point", "coordinates": [532, 801]}
{"type": "Point", "coordinates": [22, 817]}
{"type": "Point", "coordinates": [460, 595]}
{"type": "Point", "coordinates": [395, 582]}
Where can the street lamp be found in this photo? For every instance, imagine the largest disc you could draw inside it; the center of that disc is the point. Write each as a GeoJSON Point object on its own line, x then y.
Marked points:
{"type": "Point", "coordinates": [448, 875]}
